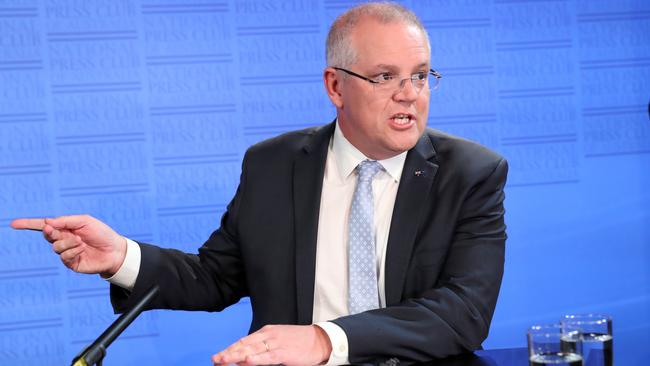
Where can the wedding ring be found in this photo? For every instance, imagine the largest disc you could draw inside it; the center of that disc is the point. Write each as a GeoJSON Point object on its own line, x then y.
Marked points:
{"type": "Point", "coordinates": [266, 345]}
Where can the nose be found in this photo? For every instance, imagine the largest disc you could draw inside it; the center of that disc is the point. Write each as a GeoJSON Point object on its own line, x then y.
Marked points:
{"type": "Point", "coordinates": [407, 91]}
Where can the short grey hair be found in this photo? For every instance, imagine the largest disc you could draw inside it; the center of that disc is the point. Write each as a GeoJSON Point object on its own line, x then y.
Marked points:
{"type": "Point", "coordinates": [339, 50]}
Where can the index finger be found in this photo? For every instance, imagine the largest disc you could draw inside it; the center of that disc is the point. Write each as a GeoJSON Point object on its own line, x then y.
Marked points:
{"type": "Point", "coordinates": [28, 224]}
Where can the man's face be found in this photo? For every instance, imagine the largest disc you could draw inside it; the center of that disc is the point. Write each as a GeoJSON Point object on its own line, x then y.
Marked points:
{"type": "Point", "coordinates": [382, 124]}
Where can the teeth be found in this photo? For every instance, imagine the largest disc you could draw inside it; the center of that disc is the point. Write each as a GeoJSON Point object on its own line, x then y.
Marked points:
{"type": "Point", "coordinates": [402, 119]}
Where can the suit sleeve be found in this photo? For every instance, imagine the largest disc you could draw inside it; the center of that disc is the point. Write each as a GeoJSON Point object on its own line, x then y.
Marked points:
{"type": "Point", "coordinates": [209, 281]}
{"type": "Point", "coordinates": [455, 315]}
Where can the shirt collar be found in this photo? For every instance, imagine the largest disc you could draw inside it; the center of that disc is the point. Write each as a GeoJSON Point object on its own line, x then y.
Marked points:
{"type": "Point", "coordinates": [348, 157]}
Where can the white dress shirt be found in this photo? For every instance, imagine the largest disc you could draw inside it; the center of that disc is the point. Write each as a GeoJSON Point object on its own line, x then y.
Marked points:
{"type": "Point", "coordinates": [331, 278]}
{"type": "Point", "coordinates": [339, 183]}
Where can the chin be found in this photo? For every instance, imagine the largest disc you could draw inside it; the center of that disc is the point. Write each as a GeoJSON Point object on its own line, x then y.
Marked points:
{"type": "Point", "coordinates": [398, 148]}
{"type": "Point", "coordinates": [407, 140]}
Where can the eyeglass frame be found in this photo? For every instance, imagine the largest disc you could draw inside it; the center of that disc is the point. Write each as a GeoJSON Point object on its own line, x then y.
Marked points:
{"type": "Point", "coordinates": [431, 72]}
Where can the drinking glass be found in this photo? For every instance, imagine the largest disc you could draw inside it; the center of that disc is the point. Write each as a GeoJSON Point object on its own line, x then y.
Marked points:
{"type": "Point", "coordinates": [597, 337]}
{"type": "Point", "coordinates": [553, 345]}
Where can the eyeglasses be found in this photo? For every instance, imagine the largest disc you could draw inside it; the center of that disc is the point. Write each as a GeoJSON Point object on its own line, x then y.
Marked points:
{"type": "Point", "coordinates": [387, 82]}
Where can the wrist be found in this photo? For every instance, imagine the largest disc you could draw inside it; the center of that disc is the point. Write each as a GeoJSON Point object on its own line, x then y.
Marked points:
{"type": "Point", "coordinates": [323, 343]}
{"type": "Point", "coordinates": [119, 257]}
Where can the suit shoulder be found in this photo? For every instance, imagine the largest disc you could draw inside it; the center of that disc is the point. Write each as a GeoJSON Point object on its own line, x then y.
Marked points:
{"type": "Point", "coordinates": [286, 143]}
{"type": "Point", "coordinates": [283, 148]}
{"type": "Point", "coordinates": [463, 154]}
{"type": "Point", "coordinates": [456, 146]}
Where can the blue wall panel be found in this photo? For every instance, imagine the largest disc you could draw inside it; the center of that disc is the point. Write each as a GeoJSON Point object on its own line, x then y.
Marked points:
{"type": "Point", "coordinates": [138, 112]}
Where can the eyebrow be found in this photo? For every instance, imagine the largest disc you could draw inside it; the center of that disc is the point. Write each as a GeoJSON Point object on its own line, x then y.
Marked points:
{"type": "Point", "coordinates": [393, 67]}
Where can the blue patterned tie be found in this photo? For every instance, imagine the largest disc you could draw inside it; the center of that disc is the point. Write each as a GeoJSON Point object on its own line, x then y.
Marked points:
{"type": "Point", "coordinates": [362, 263]}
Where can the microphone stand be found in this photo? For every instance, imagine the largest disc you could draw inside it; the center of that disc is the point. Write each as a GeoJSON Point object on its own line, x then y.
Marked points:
{"type": "Point", "coordinates": [94, 354]}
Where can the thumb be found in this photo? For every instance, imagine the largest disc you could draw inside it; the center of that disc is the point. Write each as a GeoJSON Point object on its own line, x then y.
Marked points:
{"type": "Point", "coordinates": [69, 222]}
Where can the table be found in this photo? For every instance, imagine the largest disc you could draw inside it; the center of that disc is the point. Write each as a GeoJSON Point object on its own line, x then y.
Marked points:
{"type": "Point", "coordinates": [497, 357]}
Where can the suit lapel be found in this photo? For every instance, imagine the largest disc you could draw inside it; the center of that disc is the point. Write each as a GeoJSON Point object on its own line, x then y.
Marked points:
{"type": "Point", "coordinates": [415, 185]}
{"type": "Point", "coordinates": [309, 168]}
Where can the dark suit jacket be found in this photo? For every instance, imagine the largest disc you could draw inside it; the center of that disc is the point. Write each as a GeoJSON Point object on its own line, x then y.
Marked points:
{"type": "Point", "coordinates": [444, 259]}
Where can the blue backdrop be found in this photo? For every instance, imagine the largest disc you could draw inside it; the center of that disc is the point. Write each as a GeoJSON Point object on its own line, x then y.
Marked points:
{"type": "Point", "coordinates": [138, 112]}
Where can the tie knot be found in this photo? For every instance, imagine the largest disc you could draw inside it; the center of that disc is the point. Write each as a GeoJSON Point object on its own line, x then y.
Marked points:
{"type": "Point", "coordinates": [367, 169]}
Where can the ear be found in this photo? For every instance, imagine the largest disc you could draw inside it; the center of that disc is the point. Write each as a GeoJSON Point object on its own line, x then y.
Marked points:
{"type": "Point", "coordinates": [333, 86]}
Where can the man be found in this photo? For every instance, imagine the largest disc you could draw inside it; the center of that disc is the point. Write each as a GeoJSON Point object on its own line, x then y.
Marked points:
{"type": "Point", "coordinates": [362, 240]}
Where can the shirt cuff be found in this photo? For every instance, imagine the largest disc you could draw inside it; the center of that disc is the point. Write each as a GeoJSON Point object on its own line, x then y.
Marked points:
{"type": "Point", "coordinates": [127, 274]}
{"type": "Point", "coordinates": [339, 340]}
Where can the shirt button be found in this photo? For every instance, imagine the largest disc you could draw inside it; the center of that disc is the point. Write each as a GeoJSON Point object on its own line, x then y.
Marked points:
{"type": "Point", "coordinates": [341, 348]}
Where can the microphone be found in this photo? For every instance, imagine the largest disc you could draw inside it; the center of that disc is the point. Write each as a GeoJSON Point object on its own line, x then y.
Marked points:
{"type": "Point", "coordinates": [94, 354]}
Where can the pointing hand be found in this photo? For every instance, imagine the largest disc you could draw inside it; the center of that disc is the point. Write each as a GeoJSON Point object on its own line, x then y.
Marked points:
{"type": "Point", "coordinates": [84, 244]}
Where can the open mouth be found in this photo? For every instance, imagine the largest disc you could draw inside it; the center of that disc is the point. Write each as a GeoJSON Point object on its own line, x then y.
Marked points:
{"type": "Point", "coordinates": [403, 119]}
